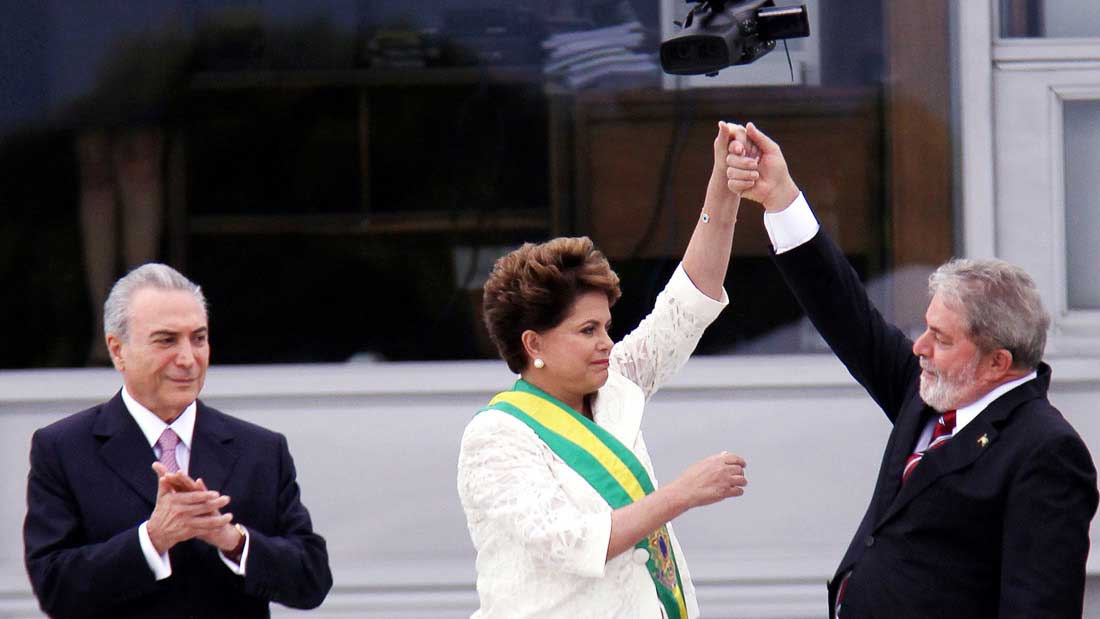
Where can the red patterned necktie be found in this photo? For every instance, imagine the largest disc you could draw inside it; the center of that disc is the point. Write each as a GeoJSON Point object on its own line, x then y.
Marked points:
{"type": "Point", "coordinates": [167, 443]}
{"type": "Point", "coordinates": [945, 426]}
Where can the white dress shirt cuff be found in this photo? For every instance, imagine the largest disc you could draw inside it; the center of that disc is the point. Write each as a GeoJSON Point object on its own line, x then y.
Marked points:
{"type": "Point", "coordinates": [792, 226]}
{"type": "Point", "coordinates": [698, 304]}
{"type": "Point", "coordinates": [591, 556]}
{"type": "Point", "coordinates": [235, 568]}
{"type": "Point", "coordinates": [160, 564]}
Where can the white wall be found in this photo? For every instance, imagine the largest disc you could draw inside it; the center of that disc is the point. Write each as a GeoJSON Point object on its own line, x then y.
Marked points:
{"type": "Point", "coordinates": [376, 447]}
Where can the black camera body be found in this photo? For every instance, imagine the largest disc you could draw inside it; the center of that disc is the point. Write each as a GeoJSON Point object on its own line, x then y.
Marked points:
{"type": "Point", "coordinates": [717, 34]}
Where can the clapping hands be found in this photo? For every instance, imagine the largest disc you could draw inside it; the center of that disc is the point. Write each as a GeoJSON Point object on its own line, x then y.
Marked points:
{"type": "Point", "coordinates": [186, 509]}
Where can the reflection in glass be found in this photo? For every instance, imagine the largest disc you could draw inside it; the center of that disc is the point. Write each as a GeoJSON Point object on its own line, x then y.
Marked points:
{"type": "Point", "coordinates": [1082, 129]}
{"type": "Point", "coordinates": [338, 176]}
{"type": "Point", "coordinates": [1053, 19]}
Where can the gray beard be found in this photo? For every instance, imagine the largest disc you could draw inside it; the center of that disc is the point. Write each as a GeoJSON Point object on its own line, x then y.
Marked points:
{"type": "Point", "coordinates": [943, 392]}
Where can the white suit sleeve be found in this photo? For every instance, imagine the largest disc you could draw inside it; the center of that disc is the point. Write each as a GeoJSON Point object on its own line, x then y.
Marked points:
{"type": "Point", "coordinates": [661, 344]}
{"type": "Point", "coordinates": [503, 478]}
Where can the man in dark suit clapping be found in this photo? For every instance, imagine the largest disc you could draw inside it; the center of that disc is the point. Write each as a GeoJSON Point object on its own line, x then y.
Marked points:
{"type": "Point", "coordinates": [985, 493]}
{"type": "Point", "coordinates": [153, 504]}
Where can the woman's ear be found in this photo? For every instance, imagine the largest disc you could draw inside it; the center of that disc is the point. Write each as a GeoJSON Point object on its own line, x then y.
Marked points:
{"type": "Point", "coordinates": [532, 343]}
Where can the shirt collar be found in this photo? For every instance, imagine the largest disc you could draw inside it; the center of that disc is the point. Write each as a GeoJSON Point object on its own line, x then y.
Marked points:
{"type": "Point", "coordinates": [152, 426]}
{"type": "Point", "coordinates": [967, 413]}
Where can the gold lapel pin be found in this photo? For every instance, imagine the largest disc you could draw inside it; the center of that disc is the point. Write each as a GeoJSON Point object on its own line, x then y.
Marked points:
{"type": "Point", "coordinates": [983, 440]}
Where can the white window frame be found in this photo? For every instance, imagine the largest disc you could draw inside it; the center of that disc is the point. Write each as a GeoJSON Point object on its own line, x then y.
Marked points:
{"type": "Point", "coordinates": [1082, 325]}
{"type": "Point", "coordinates": [1010, 95]}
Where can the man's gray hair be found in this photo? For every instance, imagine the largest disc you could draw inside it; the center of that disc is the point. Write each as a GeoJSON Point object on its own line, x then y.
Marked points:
{"type": "Point", "coordinates": [116, 310]}
{"type": "Point", "coordinates": [1000, 305]}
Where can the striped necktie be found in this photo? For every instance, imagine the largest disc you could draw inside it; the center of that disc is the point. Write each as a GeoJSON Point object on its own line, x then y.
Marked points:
{"type": "Point", "coordinates": [945, 426]}
{"type": "Point", "coordinates": [167, 443]}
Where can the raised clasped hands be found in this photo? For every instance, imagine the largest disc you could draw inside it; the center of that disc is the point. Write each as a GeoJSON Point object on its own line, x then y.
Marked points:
{"type": "Point", "coordinates": [734, 170]}
{"type": "Point", "coordinates": [186, 509]}
{"type": "Point", "coordinates": [754, 166]}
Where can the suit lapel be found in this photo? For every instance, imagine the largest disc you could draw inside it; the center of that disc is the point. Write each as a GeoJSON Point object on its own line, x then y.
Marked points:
{"type": "Point", "coordinates": [213, 452]}
{"type": "Point", "coordinates": [907, 429]}
{"type": "Point", "coordinates": [124, 448]}
{"type": "Point", "coordinates": [968, 445]}
{"type": "Point", "coordinates": [959, 452]}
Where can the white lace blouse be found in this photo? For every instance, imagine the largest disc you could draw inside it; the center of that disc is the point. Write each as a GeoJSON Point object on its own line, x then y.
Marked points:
{"type": "Point", "coordinates": [540, 531]}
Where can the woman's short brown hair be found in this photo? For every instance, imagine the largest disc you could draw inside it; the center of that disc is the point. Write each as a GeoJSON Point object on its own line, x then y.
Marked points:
{"type": "Point", "coordinates": [535, 286]}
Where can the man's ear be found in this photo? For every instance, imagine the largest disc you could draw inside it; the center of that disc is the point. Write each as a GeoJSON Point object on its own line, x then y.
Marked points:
{"type": "Point", "coordinates": [114, 347]}
{"type": "Point", "coordinates": [999, 364]}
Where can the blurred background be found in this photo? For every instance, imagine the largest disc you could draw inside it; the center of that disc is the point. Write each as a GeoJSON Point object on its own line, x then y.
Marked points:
{"type": "Point", "coordinates": [298, 158]}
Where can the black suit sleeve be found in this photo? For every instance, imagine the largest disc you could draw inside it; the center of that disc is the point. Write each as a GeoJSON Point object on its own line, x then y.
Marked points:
{"type": "Point", "coordinates": [289, 566]}
{"type": "Point", "coordinates": [877, 354]}
{"type": "Point", "coordinates": [71, 577]}
{"type": "Point", "coordinates": [1046, 532]}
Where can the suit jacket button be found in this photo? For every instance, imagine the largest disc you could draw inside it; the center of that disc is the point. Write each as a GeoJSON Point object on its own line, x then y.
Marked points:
{"type": "Point", "coordinates": [869, 541]}
{"type": "Point", "coordinates": [640, 556]}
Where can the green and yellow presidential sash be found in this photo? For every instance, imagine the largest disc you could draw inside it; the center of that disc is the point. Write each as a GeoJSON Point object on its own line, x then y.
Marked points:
{"type": "Point", "coordinates": [607, 465]}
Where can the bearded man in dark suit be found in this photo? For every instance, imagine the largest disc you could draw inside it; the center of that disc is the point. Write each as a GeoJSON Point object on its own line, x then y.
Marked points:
{"type": "Point", "coordinates": [985, 492]}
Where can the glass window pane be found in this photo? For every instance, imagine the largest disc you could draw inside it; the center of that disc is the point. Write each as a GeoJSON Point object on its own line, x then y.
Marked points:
{"type": "Point", "coordinates": [1082, 139]}
{"type": "Point", "coordinates": [1050, 18]}
{"type": "Point", "coordinates": [340, 177]}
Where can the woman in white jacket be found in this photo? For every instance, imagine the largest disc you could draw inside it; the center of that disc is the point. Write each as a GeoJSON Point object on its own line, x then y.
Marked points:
{"type": "Point", "coordinates": [554, 475]}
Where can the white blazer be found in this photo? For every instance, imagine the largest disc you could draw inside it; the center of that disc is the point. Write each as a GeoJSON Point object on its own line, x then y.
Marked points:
{"type": "Point", "coordinates": [540, 530]}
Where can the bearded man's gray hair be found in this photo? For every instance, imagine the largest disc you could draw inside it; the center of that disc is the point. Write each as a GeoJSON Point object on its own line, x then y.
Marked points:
{"type": "Point", "coordinates": [1000, 306]}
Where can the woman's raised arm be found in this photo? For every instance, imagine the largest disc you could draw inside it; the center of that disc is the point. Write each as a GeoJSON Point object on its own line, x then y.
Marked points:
{"type": "Point", "coordinates": [708, 252]}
